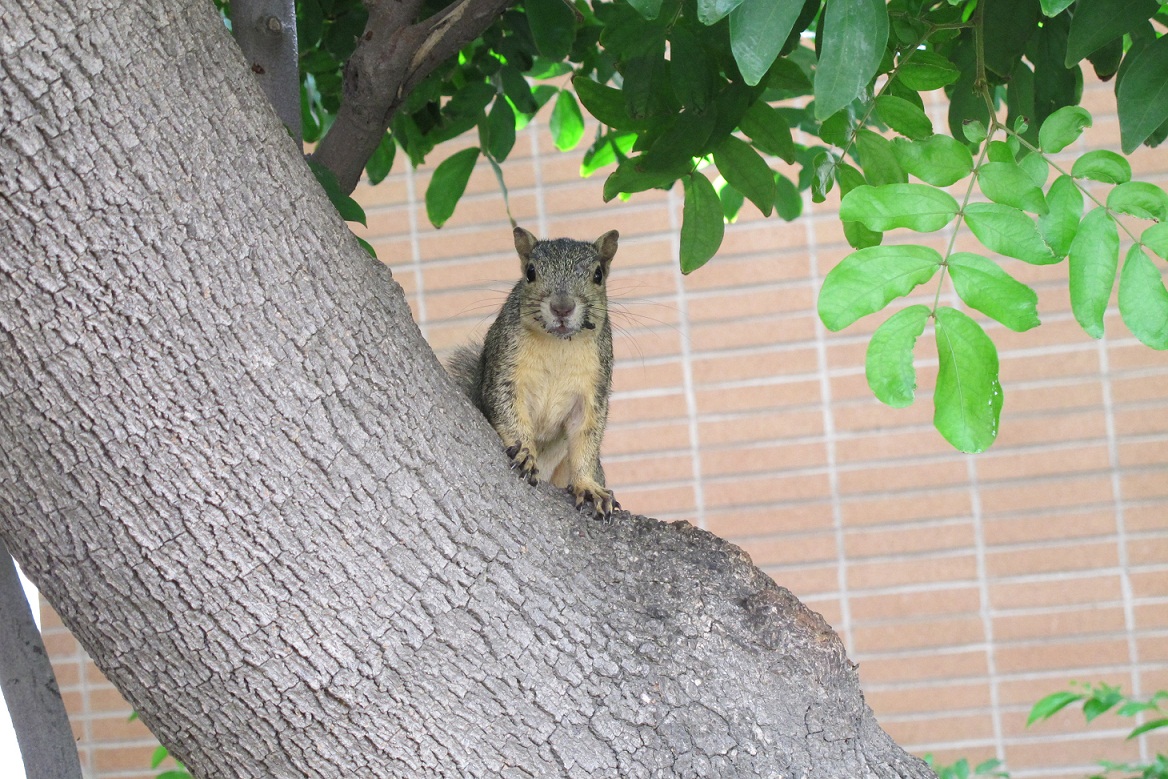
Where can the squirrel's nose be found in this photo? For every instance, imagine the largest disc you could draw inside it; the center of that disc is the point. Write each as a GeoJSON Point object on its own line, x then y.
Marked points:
{"type": "Point", "coordinates": [562, 307]}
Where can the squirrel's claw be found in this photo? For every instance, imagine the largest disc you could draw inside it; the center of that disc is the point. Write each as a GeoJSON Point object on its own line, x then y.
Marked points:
{"type": "Point", "coordinates": [600, 498]}
{"type": "Point", "coordinates": [523, 460]}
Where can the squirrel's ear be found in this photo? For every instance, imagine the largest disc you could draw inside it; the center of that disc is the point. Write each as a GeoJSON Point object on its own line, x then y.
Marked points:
{"type": "Point", "coordinates": [606, 246]}
{"type": "Point", "coordinates": [524, 243]}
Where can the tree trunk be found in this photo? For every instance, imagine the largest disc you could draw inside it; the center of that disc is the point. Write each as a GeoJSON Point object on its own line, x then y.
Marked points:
{"type": "Point", "coordinates": [233, 466]}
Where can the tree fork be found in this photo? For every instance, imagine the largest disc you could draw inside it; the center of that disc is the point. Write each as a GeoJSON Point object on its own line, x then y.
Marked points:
{"type": "Point", "coordinates": [393, 56]}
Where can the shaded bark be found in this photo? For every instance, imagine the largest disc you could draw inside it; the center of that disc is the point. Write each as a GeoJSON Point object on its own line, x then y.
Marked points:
{"type": "Point", "coordinates": [233, 466]}
{"type": "Point", "coordinates": [393, 56]}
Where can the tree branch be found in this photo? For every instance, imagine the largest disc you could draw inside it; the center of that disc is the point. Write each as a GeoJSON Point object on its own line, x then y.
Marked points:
{"type": "Point", "coordinates": [392, 58]}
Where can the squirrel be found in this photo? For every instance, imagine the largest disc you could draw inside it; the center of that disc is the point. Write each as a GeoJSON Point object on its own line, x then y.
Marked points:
{"type": "Point", "coordinates": [543, 375]}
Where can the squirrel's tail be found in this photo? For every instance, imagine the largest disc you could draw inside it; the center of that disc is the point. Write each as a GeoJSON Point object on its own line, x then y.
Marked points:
{"type": "Point", "coordinates": [465, 366]}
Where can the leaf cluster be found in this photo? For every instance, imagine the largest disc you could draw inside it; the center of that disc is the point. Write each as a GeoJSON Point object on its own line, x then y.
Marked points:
{"type": "Point", "coordinates": [753, 100]}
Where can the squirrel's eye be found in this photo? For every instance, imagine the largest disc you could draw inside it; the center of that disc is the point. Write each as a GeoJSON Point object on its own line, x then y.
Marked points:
{"type": "Point", "coordinates": [530, 272]}
{"type": "Point", "coordinates": [598, 277]}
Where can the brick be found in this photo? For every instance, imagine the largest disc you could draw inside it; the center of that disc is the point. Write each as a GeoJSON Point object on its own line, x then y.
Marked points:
{"type": "Point", "coordinates": [909, 539]}
{"type": "Point", "coordinates": [938, 504]}
{"type": "Point", "coordinates": [896, 477]}
{"type": "Point", "coordinates": [1139, 388]}
{"type": "Point", "coordinates": [938, 569]}
{"type": "Point", "coordinates": [1065, 590]}
{"type": "Point", "coordinates": [1091, 620]}
{"type": "Point", "coordinates": [750, 303]}
{"type": "Point", "coordinates": [1149, 550]}
{"type": "Point", "coordinates": [756, 332]}
{"type": "Point", "coordinates": [934, 602]}
{"type": "Point", "coordinates": [806, 580]}
{"type": "Point", "coordinates": [784, 517]}
{"type": "Point", "coordinates": [943, 698]}
{"type": "Point", "coordinates": [1152, 616]}
{"type": "Point", "coordinates": [749, 428]}
{"type": "Point", "coordinates": [1144, 484]}
{"type": "Point", "coordinates": [1073, 658]}
{"type": "Point", "coordinates": [655, 501]}
{"type": "Point", "coordinates": [625, 409]}
{"type": "Point", "coordinates": [1043, 494]}
{"type": "Point", "coordinates": [946, 665]}
{"type": "Point", "coordinates": [757, 397]}
{"type": "Point", "coordinates": [1081, 753]}
{"type": "Point", "coordinates": [119, 727]}
{"type": "Point", "coordinates": [1148, 454]}
{"type": "Point", "coordinates": [1148, 583]}
{"type": "Point", "coordinates": [752, 490]}
{"type": "Point", "coordinates": [646, 471]}
{"type": "Point", "coordinates": [791, 549]}
{"type": "Point", "coordinates": [1010, 464]}
{"type": "Point", "coordinates": [1084, 556]}
{"type": "Point", "coordinates": [961, 630]}
{"type": "Point", "coordinates": [1053, 526]}
{"type": "Point", "coordinates": [762, 458]}
{"type": "Point", "coordinates": [663, 437]}
{"type": "Point", "coordinates": [762, 364]}
{"type": "Point", "coordinates": [939, 729]}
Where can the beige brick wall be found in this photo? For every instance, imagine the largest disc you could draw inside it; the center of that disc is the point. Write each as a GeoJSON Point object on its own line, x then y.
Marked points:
{"type": "Point", "coordinates": [966, 587]}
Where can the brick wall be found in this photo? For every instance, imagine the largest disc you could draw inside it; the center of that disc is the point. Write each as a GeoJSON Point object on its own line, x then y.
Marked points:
{"type": "Point", "coordinates": [966, 587]}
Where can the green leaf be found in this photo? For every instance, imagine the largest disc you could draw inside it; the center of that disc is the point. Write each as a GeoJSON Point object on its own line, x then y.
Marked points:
{"type": "Point", "coordinates": [854, 35]}
{"type": "Point", "coordinates": [904, 117]}
{"type": "Point", "coordinates": [939, 160]}
{"type": "Point", "coordinates": [769, 131]}
{"type": "Point", "coordinates": [1156, 239]}
{"type": "Point", "coordinates": [500, 130]}
{"type": "Point", "coordinates": [888, 364]}
{"type": "Point", "coordinates": [860, 237]}
{"type": "Point", "coordinates": [630, 176]}
{"type": "Point", "coordinates": [1009, 26]}
{"type": "Point", "coordinates": [702, 225]}
{"type": "Point", "coordinates": [1008, 184]}
{"type": "Point", "coordinates": [758, 30]}
{"type": "Point", "coordinates": [1139, 199]}
{"type": "Point", "coordinates": [1059, 225]}
{"type": "Point", "coordinates": [381, 161]}
{"type": "Point", "coordinates": [1143, 301]}
{"type": "Point", "coordinates": [732, 201]}
{"type": "Point", "coordinates": [553, 26]}
{"type": "Point", "coordinates": [604, 103]}
{"type": "Point", "coordinates": [692, 71]}
{"type": "Point", "coordinates": [878, 160]}
{"type": "Point", "coordinates": [837, 128]}
{"type": "Point", "coordinates": [974, 131]}
{"type": "Point", "coordinates": [710, 11]}
{"type": "Point", "coordinates": [747, 172]}
{"type": "Point", "coordinates": [1097, 22]}
{"type": "Point", "coordinates": [1093, 257]}
{"type": "Point", "coordinates": [1061, 128]}
{"type": "Point", "coordinates": [1102, 165]}
{"type": "Point", "coordinates": [448, 184]}
{"type": "Point", "coordinates": [606, 150]}
{"type": "Point", "coordinates": [1051, 705]}
{"type": "Point", "coordinates": [984, 286]}
{"type": "Point", "coordinates": [967, 401]}
{"type": "Point", "coordinates": [160, 754]}
{"type": "Point", "coordinates": [1036, 168]}
{"type": "Point", "coordinates": [566, 123]}
{"type": "Point", "coordinates": [869, 279]}
{"type": "Point", "coordinates": [349, 209]}
{"type": "Point", "coordinates": [647, 8]}
{"type": "Point", "coordinates": [926, 71]}
{"type": "Point", "coordinates": [1155, 724]}
{"type": "Point", "coordinates": [915, 206]}
{"type": "Point", "coordinates": [788, 201]}
{"type": "Point", "coordinates": [1141, 96]}
{"type": "Point", "coordinates": [1055, 7]}
{"type": "Point", "coordinates": [1009, 232]}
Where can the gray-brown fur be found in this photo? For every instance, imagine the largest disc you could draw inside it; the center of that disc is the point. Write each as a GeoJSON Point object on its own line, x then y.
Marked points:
{"type": "Point", "coordinates": [544, 373]}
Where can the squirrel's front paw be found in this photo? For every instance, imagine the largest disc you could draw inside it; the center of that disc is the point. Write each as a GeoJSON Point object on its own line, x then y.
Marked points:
{"type": "Point", "coordinates": [600, 497]}
{"type": "Point", "coordinates": [524, 461]}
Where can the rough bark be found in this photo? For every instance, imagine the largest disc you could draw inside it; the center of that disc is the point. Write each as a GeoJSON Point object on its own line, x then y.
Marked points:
{"type": "Point", "coordinates": [233, 466]}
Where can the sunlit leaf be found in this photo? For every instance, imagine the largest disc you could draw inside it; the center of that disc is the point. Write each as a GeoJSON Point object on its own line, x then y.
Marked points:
{"type": "Point", "coordinates": [1093, 258]}
{"type": "Point", "coordinates": [1139, 199]}
{"type": "Point", "coordinates": [938, 160]}
{"type": "Point", "coordinates": [1102, 165]}
{"type": "Point", "coordinates": [1008, 231]}
{"type": "Point", "coordinates": [914, 206]}
{"type": "Point", "coordinates": [1008, 184]}
{"type": "Point", "coordinates": [867, 280]}
{"type": "Point", "coordinates": [1051, 705]}
{"type": "Point", "coordinates": [984, 286]}
{"type": "Point", "coordinates": [566, 123]}
{"type": "Point", "coordinates": [888, 364]}
{"type": "Point", "coordinates": [1143, 300]}
{"type": "Point", "coordinates": [903, 117]}
{"type": "Point", "coordinates": [758, 30]}
{"type": "Point", "coordinates": [1061, 128]}
{"type": "Point", "coordinates": [1060, 223]}
{"type": "Point", "coordinates": [968, 398]}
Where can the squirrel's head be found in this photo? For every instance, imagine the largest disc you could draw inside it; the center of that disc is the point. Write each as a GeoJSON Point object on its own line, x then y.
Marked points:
{"type": "Point", "coordinates": [563, 284]}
